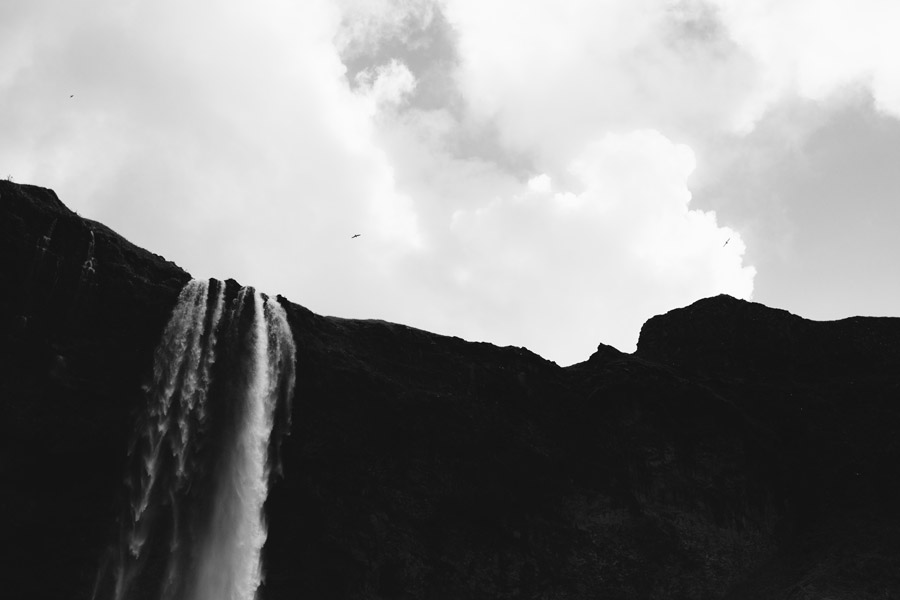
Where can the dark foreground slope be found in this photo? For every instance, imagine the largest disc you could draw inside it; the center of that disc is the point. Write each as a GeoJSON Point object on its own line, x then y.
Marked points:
{"type": "Point", "coordinates": [741, 452]}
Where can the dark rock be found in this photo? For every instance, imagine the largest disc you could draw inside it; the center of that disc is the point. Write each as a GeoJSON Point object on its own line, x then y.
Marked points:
{"type": "Point", "coordinates": [741, 452]}
{"type": "Point", "coordinates": [19, 325]}
{"type": "Point", "coordinates": [605, 354]}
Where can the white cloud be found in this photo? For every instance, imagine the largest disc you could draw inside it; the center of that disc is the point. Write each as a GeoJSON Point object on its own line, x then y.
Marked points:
{"type": "Point", "coordinates": [601, 237]}
{"type": "Point", "coordinates": [578, 268]}
{"type": "Point", "coordinates": [565, 72]}
{"type": "Point", "coordinates": [540, 183]}
{"type": "Point", "coordinates": [386, 87]}
{"type": "Point", "coordinates": [366, 24]}
{"type": "Point", "coordinates": [553, 76]}
{"type": "Point", "coordinates": [815, 48]}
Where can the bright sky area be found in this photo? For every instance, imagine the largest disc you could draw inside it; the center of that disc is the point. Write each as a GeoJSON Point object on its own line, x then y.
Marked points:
{"type": "Point", "coordinates": [546, 174]}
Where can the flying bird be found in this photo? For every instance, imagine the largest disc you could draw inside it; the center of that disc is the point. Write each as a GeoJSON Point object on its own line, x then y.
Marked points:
{"type": "Point", "coordinates": [355, 235]}
{"type": "Point", "coordinates": [726, 242]}
{"type": "Point", "coordinates": [71, 95]}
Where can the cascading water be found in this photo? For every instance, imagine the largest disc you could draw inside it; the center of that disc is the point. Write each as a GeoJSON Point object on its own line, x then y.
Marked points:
{"type": "Point", "coordinates": [195, 528]}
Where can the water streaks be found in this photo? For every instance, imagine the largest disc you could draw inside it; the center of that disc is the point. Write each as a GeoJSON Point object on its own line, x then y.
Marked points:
{"type": "Point", "coordinates": [195, 528]}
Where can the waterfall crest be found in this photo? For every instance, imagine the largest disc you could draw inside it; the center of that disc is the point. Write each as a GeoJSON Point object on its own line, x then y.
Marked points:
{"type": "Point", "coordinates": [195, 526]}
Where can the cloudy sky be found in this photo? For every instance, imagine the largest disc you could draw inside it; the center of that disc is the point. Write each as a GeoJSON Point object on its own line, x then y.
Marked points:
{"type": "Point", "coordinates": [546, 174]}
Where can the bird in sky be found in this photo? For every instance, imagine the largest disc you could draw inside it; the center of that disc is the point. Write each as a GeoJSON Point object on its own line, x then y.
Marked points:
{"type": "Point", "coordinates": [726, 242]}
{"type": "Point", "coordinates": [71, 95]}
{"type": "Point", "coordinates": [355, 235]}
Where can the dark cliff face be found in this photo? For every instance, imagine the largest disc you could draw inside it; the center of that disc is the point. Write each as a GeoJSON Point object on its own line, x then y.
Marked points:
{"type": "Point", "coordinates": [741, 452]}
{"type": "Point", "coordinates": [826, 398]}
{"type": "Point", "coordinates": [80, 313]}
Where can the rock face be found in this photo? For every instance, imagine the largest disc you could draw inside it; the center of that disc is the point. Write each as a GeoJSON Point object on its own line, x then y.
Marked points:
{"type": "Point", "coordinates": [741, 452]}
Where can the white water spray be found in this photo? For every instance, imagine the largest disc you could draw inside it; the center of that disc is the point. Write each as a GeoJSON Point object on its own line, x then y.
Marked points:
{"type": "Point", "coordinates": [197, 527]}
{"type": "Point", "coordinates": [230, 567]}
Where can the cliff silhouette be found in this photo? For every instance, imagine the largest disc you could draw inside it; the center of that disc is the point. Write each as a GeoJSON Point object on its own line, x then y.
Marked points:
{"type": "Point", "coordinates": [741, 452]}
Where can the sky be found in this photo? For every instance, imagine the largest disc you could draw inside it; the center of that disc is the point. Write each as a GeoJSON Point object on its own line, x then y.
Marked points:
{"type": "Point", "coordinates": [546, 174]}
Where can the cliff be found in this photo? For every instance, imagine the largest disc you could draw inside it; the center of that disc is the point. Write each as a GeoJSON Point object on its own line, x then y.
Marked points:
{"type": "Point", "coordinates": [740, 452]}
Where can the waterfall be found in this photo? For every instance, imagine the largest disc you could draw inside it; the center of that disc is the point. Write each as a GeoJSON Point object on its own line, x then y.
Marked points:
{"type": "Point", "coordinates": [195, 526]}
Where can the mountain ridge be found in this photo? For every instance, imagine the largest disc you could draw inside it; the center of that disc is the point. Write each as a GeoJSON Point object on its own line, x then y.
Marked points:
{"type": "Point", "coordinates": [739, 452]}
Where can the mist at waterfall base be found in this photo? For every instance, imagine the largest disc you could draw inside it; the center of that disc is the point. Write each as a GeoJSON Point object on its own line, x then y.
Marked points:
{"type": "Point", "coordinates": [218, 405]}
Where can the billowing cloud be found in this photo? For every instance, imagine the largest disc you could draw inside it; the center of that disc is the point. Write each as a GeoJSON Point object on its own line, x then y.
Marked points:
{"type": "Point", "coordinates": [556, 75]}
{"type": "Point", "coordinates": [386, 86]}
{"type": "Point", "coordinates": [573, 69]}
{"type": "Point", "coordinates": [816, 48]}
{"type": "Point", "coordinates": [367, 25]}
{"type": "Point", "coordinates": [579, 267]}
{"type": "Point", "coordinates": [552, 231]}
